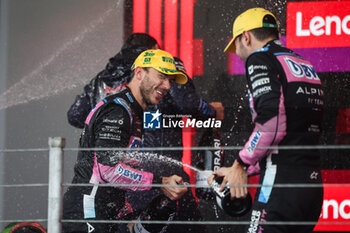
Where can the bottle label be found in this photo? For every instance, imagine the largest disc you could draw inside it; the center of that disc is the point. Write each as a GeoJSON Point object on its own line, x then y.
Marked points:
{"type": "Point", "coordinates": [202, 177]}
{"type": "Point", "coordinates": [216, 187]}
{"type": "Point", "coordinates": [219, 202]}
{"type": "Point", "coordinates": [219, 195]}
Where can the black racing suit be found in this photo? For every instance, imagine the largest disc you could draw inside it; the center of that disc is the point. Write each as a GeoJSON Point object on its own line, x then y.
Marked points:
{"type": "Point", "coordinates": [116, 121]}
{"type": "Point", "coordinates": [286, 100]}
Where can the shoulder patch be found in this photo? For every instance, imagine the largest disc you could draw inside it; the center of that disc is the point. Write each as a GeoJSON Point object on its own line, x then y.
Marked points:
{"type": "Point", "coordinates": [125, 104]}
{"type": "Point", "coordinates": [92, 112]}
{"type": "Point", "coordinates": [129, 97]}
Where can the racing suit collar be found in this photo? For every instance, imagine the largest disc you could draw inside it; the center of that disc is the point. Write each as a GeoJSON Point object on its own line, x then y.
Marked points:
{"type": "Point", "coordinates": [266, 47]}
{"type": "Point", "coordinates": [133, 103]}
{"type": "Point", "coordinates": [273, 42]}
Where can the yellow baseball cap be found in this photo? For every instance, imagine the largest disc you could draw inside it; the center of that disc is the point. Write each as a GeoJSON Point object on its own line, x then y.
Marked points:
{"type": "Point", "coordinates": [161, 61]}
{"type": "Point", "coordinates": [248, 20]}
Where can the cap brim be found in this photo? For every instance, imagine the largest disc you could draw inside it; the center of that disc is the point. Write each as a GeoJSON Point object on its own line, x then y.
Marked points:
{"type": "Point", "coordinates": [180, 77]}
{"type": "Point", "coordinates": [230, 48]}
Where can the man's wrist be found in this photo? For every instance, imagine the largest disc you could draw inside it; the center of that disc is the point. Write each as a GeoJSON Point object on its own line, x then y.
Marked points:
{"type": "Point", "coordinates": [240, 163]}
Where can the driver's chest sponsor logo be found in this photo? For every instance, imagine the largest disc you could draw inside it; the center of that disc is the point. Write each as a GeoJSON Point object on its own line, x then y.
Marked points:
{"type": "Point", "coordinates": [128, 173]}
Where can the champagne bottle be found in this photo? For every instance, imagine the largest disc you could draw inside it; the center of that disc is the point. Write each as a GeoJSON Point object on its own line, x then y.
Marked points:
{"type": "Point", "coordinates": [161, 208]}
{"type": "Point", "coordinates": [236, 207]}
{"type": "Point", "coordinates": [208, 161]}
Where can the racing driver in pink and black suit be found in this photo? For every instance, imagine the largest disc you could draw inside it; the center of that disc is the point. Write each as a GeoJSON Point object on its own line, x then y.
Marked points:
{"type": "Point", "coordinates": [286, 101]}
{"type": "Point", "coordinates": [116, 122]}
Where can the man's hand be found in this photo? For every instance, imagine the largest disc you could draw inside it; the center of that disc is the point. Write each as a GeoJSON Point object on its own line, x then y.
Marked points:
{"type": "Point", "coordinates": [220, 110]}
{"type": "Point", "coordinates": [234, 175]}
{"type": "Point", "coordinates": [174, 193]}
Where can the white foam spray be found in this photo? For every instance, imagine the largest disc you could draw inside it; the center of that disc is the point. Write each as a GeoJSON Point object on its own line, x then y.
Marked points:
{"type": "Point", "coordinates": [59, 72]}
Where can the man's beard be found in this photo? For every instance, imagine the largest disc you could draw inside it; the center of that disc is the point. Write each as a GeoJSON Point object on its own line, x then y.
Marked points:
{"type": "Point", "coordinates": [145, 92]}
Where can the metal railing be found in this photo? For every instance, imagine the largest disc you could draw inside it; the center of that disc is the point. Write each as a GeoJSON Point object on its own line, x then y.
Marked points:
{"type": "Point", "coordinates": [55, 185]}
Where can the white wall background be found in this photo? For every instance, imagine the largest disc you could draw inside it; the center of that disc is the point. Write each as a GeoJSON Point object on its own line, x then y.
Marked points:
{"type": "Point", "coordinates": [3, 72]}
{"type": "Point", "coordinates": [48, 51]}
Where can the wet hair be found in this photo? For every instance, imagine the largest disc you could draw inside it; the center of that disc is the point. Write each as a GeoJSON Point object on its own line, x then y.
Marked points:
{"type": "Point", "coordinates": [265, 32]}
{"type": "Point", "coordinates": [140, 40]}
{"type": "Point", "coordinates": [180, 66]}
